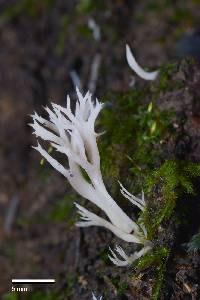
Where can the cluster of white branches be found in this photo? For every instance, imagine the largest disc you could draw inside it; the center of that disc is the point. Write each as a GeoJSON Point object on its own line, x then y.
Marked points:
{"type": "Point", "coordinates": [73, 135]}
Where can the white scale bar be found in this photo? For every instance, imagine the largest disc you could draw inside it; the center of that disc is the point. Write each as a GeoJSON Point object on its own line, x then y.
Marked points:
{"type": "Point", "coordinates": [33, 281]}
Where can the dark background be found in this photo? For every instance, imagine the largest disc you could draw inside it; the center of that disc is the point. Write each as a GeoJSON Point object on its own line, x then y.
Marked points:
{"type": "Point", "coordinates": [41, 44]}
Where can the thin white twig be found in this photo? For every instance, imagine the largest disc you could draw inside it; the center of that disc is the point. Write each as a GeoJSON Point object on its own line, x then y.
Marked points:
{"type": "Point", "coordinates": [11, 213]}
{"type": "Point", "coordinates": [94, 73]}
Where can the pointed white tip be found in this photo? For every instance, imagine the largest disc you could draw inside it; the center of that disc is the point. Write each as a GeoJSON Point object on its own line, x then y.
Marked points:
{"type": "Point", "coordinates": [137, 69]}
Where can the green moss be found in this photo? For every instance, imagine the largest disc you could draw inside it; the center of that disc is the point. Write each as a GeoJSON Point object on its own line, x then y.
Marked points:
{"type": "Point", "coordinates": [84, 31]}
{"type": "Point", "coordinates": [164, 82]}
{"type": "Point", "coordinates": [10, 296]}
{"type": "Point", "coordinates": [44, 296]}
{"type": "Point", "coordinates": [154, 6]}
{"type": "Point", "coordinates": [104, 256]}
{"type": "Point", "coordinates": [159, 281]}
{"type": "Point", "coordinates": [31, 8]}
{"type": "Point", "coordinates": [70, 285]}
{"type": "Point", "coordinates": [121, 286]}
{"type": "Point", "coordinates": [181, 15]}
{"type": "Point", "coordinates": [154, 257]}
{"type": "Point", "coordinates": [174, 177]}
{"type": "Point", "coordinates": [174, 174]}
{"type": "Point", "coordinates": [135, 135]}
{"type": "Point", "coordinates": [140, 17]}
{"type": "Point", "coordinates": [156, 260]}
{"type": "Point", "coordinates": [63, 209]}
{"type": "Point", "coordinates": [43, 173]}
{"type": "Point", "coordinates": [196, 1]}
{"type": "Point", "coordinates": [88, 6]}
{"type": "Point", "coordinates": [35, 295]}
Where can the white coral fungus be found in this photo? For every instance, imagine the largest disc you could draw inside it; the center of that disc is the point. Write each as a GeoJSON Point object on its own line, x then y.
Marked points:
{"type": "Point", "coordinates": [73, 135]}
{"type": "Point", "coordinates": [127, 260]}
{"type": "Point", "coordinates": [95, 298]}
{"type": "Point", "coordinates": [137, 69]}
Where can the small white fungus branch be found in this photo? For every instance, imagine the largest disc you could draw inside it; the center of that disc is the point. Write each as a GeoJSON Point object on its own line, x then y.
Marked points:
{"type": "Point", "coordinates": [134, 200]}
{"type": "Point", "coordinates": [127, 260]}
{"type": "Point", "coordinates": [73, 135]}
{"type": "Point", "coordinates": [137, 69]}
{"type": "Point", "coordinates": [95, 298]}
{"type": "Point", "coordinates": [95, 29]}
